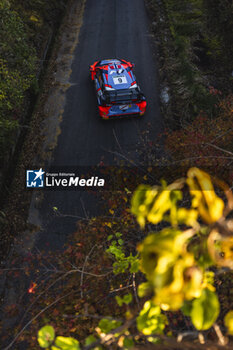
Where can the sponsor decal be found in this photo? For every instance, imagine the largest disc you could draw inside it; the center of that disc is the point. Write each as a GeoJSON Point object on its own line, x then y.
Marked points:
{"type": "Point", "coordinates": [125, 107]}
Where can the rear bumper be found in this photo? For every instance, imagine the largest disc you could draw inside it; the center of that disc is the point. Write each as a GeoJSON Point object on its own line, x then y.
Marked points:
{"type": "Point", "coordinates": [108, 113]}
{"type": "Point", "coordinates": [119, 116]}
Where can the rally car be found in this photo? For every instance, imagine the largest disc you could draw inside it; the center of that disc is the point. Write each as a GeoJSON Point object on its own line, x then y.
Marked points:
{"type": "Point", "coordinates": [118, 93]}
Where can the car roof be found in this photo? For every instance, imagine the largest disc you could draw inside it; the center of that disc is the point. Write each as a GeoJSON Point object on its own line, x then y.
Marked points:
{"type": "Point", "coordinates": [117, 74]}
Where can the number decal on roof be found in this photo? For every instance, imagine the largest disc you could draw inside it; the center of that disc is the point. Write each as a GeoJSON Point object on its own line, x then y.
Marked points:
{"type": "Point", "coordinates": [120, 79]}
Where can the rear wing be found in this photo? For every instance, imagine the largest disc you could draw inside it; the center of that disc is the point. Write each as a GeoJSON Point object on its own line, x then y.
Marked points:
{"type": "Point", "coordinates": [123, 95]}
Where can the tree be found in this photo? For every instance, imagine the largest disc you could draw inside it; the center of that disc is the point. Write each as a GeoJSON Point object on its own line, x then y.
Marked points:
{"type": "Point", "coordinates": [181, 264]}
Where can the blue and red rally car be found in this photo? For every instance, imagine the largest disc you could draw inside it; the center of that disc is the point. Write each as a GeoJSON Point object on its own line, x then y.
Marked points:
{"type": "Point", "coordinates": [118, 93]}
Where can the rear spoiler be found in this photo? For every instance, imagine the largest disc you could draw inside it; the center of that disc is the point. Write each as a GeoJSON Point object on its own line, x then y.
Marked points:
{"type": "Point", "coordinates": [129, 95]}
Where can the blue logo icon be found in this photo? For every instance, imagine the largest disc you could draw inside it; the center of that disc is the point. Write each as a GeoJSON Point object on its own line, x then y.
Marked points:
{"type": "Point", "coordinates": [35, 178]}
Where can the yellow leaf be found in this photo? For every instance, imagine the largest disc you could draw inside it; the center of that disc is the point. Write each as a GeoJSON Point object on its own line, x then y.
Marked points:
{"type": "Point", "coordinates": [228, 321]}
{"type": "Point", "coordinates": [208, 204]}
{"type": "Point", "coordinates": [34, 18]}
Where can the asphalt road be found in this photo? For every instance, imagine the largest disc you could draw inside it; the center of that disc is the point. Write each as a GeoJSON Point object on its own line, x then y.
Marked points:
{"type": "Point", "coordinates": [111, 28]}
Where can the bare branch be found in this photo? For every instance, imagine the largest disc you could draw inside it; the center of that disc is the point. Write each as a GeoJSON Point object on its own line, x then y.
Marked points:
{"type": "Point", "coordinates": [81, 279]}
{"type": "Point", "coordinates": [221, 339]}
{"type": "Point", "coordinates": [35, 317]}
{"type": "Point", "coordinates": [218, 148]}
{"type": "Point", "coordinates": [135, 291]}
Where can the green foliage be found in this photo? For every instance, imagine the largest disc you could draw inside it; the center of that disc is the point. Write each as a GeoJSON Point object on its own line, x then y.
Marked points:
{"type": "Point", "coordinates": [16, 48]}
{"type": "Point", "coordinates": [7, 132]}
{"type": "Point", "coordinates": [150, 320]}
{"type": "Point", "coordinates": [228, 321]}
{"type": "Point", "coordinates": [166, 264]}
{"type": "Point", "coordinates": [128, 343]}
{"type": "Point", "coordinates": [144, 289]}
{"type": "Point", "coordinates": [219, 17]}
{"type": "Point", "coordinates": [205, 310]}
{"type": "Point", "coordinates": [106, 325]}
{"type": "Point", "coordinates": [127, 299]}
{"type": "Point", "coordinates": [167, 257]}
{"type": "Point", "coordinates": [23, 33]}
{"type": "Point", "coordinates": [186, 53]}
{"type": "Point", "coordinates": [176, 278]}
{"type": "Point", "coordinates": [66, 343]}
{"type": "Point", "coordinates": [17, 72]}
{"type": "Point", "coordinates": [122, 262]}
{"type": "Point", "coordinates": [90, 340]}
{"type": "Point", "coordinates": [12, 87]}
{"type": "Point", "coordinates": [46, 336]}
{"type": "Point", "coordinates": [153, 203]}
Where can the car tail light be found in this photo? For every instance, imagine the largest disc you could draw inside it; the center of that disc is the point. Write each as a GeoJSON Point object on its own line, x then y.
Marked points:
{"type": "Point", "coordinates": [103, 110]}
{"type": "Point", "coordinates": [142, 107]}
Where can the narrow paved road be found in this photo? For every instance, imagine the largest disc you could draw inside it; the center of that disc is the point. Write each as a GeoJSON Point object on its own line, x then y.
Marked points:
{"type": "Point", "coordinates": [111, 28]}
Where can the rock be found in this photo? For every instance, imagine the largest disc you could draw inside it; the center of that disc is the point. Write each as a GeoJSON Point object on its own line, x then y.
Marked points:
{"type": "Point", "coordinates": [164, 95]}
